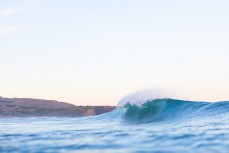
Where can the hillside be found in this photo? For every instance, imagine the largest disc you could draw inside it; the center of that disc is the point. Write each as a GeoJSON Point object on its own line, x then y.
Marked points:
{"type": "Point", "coordinates": [28, 107]}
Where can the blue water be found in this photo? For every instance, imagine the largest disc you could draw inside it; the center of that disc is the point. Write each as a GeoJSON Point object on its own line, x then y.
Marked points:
{"type": "Point", "coordinates": [162, 125]}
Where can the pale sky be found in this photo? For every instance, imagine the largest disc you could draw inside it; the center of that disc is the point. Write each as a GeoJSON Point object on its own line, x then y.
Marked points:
{"type": "Point", "coordinates": [90, 52]}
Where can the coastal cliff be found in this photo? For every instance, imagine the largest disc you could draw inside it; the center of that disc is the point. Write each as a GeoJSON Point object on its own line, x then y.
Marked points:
{"type": "Point", "coordinates": [28, 107]}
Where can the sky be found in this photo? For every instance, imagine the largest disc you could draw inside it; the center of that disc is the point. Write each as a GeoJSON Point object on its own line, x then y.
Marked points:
{"type": "Point", "coordinates": [89, 52]}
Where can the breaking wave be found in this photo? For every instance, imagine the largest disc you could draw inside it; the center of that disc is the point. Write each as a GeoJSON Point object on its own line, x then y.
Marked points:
{"type": "Point", "coordinates": [148, 107]}
{"type": "Point", "coordinates": [159, 110]}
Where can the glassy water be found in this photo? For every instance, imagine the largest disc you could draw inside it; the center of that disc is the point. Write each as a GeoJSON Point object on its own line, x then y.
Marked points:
{"type": "Point", "coordinates": [163, 125]}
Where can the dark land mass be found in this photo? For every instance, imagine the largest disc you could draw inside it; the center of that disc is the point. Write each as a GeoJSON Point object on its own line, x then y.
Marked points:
{"type": "Point", "coordinates": [27, 107]}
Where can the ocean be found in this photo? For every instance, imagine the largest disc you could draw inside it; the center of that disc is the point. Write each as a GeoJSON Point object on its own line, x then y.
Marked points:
{"type": "Point", "coordinates": [160, 126]}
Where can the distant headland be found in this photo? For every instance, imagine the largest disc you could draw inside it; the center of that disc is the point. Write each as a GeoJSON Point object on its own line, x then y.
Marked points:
{"type": "Point", "coordinates": [28, 107]}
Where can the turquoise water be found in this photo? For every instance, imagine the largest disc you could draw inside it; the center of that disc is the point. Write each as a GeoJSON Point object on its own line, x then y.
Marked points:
{"type": "Point", "coordinates": [162, 125]}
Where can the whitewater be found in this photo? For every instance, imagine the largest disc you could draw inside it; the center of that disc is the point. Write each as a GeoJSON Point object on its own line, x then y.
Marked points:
{"type": "Point", "coordinates": [160, 125]}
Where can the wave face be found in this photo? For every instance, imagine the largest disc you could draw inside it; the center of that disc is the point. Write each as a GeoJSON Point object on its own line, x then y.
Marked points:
{"type": "Point", "coordinates": [160, 110]}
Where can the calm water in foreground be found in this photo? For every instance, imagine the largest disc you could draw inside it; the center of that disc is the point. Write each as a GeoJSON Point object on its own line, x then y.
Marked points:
{"type": "Point", "coordinates": [157, 126]}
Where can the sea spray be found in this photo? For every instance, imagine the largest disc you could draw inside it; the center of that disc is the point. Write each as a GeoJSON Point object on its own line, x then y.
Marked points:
{"type": "Point", "coordinates": [140, 97]}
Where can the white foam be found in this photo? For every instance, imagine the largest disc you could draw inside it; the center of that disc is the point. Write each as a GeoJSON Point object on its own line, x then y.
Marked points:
{"type": "Point", "coordinates": [140, 97]}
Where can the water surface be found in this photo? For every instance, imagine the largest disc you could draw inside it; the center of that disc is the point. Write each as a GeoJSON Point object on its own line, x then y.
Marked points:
{"type": "Point", "coordinates": [163, 125]}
